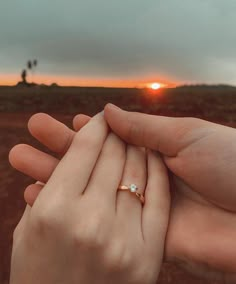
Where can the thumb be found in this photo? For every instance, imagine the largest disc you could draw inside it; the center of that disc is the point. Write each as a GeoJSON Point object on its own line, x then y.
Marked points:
{"type": "Point", "coordinates": [167, 135]}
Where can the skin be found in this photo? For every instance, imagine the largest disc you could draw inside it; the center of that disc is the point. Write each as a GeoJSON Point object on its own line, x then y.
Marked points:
{"type": "Point", "coordinates": [80, 224]}
{"type": "Point", "coordinates": [201, 158]}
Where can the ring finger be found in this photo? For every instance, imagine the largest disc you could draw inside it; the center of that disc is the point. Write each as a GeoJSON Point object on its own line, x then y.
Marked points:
{"type": "Point", "coordinates": [128, 204]}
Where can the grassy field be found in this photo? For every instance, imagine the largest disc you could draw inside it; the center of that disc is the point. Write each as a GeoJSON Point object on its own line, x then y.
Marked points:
{"type": "Point", "coordinates": [217, 104]}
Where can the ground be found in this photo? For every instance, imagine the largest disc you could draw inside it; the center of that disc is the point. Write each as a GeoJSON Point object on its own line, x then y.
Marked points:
{"type": "Point", "coordinates": [17, 105]}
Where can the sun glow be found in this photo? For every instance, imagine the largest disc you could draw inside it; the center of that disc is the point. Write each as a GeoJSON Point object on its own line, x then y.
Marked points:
{"type": "Point", "coordinates": [155, 86]}
{"type": "Point", "coordinates": [81, 81]}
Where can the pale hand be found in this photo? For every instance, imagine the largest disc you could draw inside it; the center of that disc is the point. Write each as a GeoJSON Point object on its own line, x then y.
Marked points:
{"type": "Point", "coordinates": [80, 230]}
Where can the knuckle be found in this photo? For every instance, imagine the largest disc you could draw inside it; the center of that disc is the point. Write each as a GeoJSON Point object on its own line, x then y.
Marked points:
{"type": "Point", "coordinates": [90, 234]}
{"type": "Point", "coordinates": [145, 275]}
{"type": "Point", "coordinates": [41, 222]}
{"type": "Point", "coordinates": [189, 123]}
{"type": "Point", "coordinates": [118, 258]}
{"type": "Point", "coordinates": [45, 221]}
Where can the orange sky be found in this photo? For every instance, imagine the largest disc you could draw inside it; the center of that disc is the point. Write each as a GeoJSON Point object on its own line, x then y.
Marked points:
{"type": "Point", "coordinates": [83, 81]}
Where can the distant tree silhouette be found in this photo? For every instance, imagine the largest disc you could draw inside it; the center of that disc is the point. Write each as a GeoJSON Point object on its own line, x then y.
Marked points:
{"type": "Point", "coordinates": [35, 63]}
{"type": "Point", "coordinates": [23, 76]}
{"type": "Point", "coordinates": [31, 65]}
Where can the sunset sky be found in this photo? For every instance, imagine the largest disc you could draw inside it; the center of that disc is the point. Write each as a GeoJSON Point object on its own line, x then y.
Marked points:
{"type": "Point", "coordinates": [119, 43]}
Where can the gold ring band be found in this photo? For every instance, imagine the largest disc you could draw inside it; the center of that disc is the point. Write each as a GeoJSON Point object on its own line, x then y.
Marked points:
{"type": "Point", "coordinates": [134, 190]}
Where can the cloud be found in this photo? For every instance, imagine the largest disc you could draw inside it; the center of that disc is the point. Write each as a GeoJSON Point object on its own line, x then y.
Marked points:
{"type": "Point", "coordinates": [188, 40]}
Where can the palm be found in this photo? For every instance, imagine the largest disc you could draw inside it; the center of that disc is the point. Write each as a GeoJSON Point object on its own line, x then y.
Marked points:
{"type": "Point", "coordinates": [201, 232]}
{"type": "Point", "coordinates": [195, 240]}
{"type": "Point", "coordinates": [207, 166]}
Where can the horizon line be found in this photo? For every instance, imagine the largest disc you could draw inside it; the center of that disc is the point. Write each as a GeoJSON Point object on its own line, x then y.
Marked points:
{"type": "Point", "coordinates": [117, 87]}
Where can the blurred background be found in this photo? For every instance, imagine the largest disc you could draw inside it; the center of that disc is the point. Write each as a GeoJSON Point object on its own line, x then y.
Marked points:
{"type": "Point", "coordinates": [173, 58]}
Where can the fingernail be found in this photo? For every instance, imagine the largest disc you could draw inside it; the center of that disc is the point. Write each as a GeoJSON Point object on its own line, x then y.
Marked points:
{"type": "Point", "coordinates": [98, 115]}
{"type": "Point", "coordinates": [40, 183]}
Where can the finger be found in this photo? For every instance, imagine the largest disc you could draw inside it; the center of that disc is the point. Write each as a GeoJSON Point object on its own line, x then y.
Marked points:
{"type": "Point", "coordinates": [128, 204]}
{"type": "Point", "coordinates": [55, 136]}
{"type": "Point", "coordinates": [79, 121]}
{"type": "Point", "coordinates": [32, 162]}
{"type": "Point", "coordinates": [157, 204]}
{"type": "Point", "coordinates": [35, 163]}
{"type": "Point", "coordinates": [86, 146]}
{"type": "Point", "coordinates": [107, 174]}
{"type": "Point", "coordinates": [165, 134]}
{"type": "Point", "coordinates": [31, 193]}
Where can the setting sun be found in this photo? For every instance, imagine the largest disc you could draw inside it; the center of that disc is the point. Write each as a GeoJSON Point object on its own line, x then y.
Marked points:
{"type": "Point", "coordinates": [155, 86]}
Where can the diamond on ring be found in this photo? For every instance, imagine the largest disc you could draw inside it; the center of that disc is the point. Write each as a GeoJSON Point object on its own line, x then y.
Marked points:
{"type": "Point", "coordinates": [133, 187]}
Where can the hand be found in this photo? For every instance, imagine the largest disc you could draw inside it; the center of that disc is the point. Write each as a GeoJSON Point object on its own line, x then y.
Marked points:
{"type": "Point", "coordinates": [202, 157]}
{"type": "Point", "coordinates": [208, 247]}
{"type": "Point", "coordinates": [67, 238]}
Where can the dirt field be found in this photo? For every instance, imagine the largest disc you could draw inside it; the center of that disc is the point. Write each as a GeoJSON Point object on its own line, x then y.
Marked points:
{"type": "Point", "coordinates": [17, 104]}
